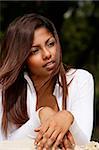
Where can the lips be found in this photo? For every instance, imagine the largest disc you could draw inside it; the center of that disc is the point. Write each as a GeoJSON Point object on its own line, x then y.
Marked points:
{"type": "Point", "coordinates": [49, 65]}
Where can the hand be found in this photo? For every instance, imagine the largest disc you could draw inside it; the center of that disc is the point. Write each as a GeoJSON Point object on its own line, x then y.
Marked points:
{"type": "Point", "coordinates": [68, 141]}
{"type": "Point", "coordinates": [45, 113]}
{"type": "Point", "coordinates": [53, 129]}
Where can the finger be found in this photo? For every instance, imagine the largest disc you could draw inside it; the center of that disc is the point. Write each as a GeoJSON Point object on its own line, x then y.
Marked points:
{"type": "Point", "coordinates": [58, 140]}
{"type": "Point", "coordinates": [63, 148]}
{"type": "Point", "coordinates": [37, 129]}
{"type": "Point", "coordinates": [46, 136]}
{"type": "Point", "coordinates": [40, 134]}
{"type": "Point", "coordinates": [66, 143]}
{"type": "Point", "coordinates": [70, 137]}
{"type": "Point", "coordinates": [52, 139]}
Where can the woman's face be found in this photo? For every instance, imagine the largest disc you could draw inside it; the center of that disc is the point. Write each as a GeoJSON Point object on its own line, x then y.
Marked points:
{"type": "Point", "coordinates": [43, 58]}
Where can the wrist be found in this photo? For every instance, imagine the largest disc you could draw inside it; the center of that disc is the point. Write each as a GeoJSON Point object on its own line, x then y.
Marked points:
{"type": "Point", "coordinates": [69, 116]}
{"type": "Point", "coordinates": [45, 113]}
{"type": "Point", "coordinates": [72, 117]}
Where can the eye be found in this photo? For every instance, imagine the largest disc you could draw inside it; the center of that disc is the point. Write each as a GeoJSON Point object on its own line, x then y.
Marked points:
{"type": "Point", "coordinates": [34, 50]}
{"type": "Point", "coordinates": [51, 43]}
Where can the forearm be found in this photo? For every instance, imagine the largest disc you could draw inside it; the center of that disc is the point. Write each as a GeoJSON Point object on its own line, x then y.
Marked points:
{"type": "Point", "coordinates": [81, 98]}
{"type": "Point", "coordinates": [54, 126]}
{"type": "Point", "coordinates": [27, 129]}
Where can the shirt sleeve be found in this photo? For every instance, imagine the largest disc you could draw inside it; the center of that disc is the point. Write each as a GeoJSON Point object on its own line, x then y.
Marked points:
{"type": "Point", "coordinates": [27, 129]}
{"type": "Point", "coordinates": [82, 97]}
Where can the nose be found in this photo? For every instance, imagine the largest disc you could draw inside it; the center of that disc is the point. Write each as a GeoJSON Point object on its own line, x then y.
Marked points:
{"type": "Point", "coordinates": [46, 54]}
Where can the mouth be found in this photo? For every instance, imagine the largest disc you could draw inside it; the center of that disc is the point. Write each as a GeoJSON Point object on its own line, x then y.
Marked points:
{"type": "Point", "coordinates": [49, 65]}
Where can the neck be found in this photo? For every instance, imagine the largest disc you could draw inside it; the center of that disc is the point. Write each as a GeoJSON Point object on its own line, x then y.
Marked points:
{"type": "Point", "coordinates": [44, 85]}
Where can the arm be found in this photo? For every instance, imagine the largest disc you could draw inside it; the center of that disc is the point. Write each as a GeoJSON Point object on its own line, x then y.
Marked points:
{"type": "Point", "coordinates": [81, 106]}
{"type": "Point", "coordinates": [81, 96]}
{"type": "Point", "coordinates": [27, 129]}
{"type": "Point", "coordinates": [54, 126]}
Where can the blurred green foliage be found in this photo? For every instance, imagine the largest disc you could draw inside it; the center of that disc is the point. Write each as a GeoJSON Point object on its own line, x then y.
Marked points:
{"type": "Point", "coordinates": [80, 38]}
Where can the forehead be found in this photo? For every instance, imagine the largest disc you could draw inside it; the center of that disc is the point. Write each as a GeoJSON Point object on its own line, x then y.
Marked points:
{"type": "Point", "coordinates": [41, 34]}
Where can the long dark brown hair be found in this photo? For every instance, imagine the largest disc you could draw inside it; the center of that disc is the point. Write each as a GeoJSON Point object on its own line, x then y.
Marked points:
{"type": "Point", "coordinates": [14, 52]}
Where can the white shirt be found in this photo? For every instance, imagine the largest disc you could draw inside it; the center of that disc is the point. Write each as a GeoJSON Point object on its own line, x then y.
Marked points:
{"type": "Point", "coordinates": [79, 103]}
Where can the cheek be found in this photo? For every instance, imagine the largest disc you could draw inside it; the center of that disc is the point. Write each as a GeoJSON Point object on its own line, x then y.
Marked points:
{"type": "Point", "coordinates": [32, 62]}
{"type": "Point", "coordinates": [57, 55]}
{"type": "Point", "coordinates": [55, 52]}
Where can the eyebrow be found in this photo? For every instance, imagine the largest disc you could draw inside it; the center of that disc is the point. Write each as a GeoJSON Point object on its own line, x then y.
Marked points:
{"type": "Point", "coordinates": [45, 42]}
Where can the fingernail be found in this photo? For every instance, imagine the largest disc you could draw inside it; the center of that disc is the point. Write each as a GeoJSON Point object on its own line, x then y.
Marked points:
{"type": "Point", "coordinates": [39, 148]}
{"type": "Point", "coordinates": [38, 144]}
{"type": "Point", "coordinates": [35, 142]}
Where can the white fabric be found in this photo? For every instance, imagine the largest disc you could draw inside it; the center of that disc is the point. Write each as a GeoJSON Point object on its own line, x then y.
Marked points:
{"type": "Point", "coordinates": [79, 103]}
{"type": "Point", "coordinates": [22, 144]}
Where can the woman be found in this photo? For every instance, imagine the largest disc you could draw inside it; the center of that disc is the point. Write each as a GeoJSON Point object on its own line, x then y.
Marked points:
{"type": "Point", "coordinates": [33, 78]}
